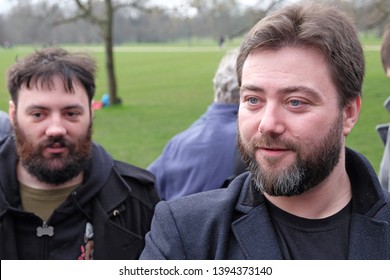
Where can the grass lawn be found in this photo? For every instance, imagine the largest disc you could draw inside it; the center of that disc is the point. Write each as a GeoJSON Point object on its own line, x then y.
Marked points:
{"type": "Point", "coordinates": [165, 89]}
{"type": "Point", "coordinates": [376, 89]}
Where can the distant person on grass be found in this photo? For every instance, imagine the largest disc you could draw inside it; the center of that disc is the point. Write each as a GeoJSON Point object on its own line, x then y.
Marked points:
{"type": "Point", "coordinates": [61, 195]}
{"type": "Point", "coordinates": [306, 196]}
{"type": "Point", "coordinates": [203, 156]}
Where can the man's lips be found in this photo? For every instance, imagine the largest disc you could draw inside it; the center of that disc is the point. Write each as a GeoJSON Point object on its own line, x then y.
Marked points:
{"type": "Point", "coordinates": [273, 151]}
{"type": "Point", "coordinates": [56, 148]}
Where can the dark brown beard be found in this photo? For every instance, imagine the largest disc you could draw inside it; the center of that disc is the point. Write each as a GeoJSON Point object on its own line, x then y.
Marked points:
{"type": "Point", "coordinates": [59, 168]}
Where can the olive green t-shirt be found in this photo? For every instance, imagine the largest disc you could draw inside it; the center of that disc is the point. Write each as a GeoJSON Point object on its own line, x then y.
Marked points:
{"type": "Point", "coordinates": [43, 202]}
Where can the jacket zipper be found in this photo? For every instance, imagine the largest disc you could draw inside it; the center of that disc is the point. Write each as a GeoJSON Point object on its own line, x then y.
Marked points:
{"type": "Point", "coordinates": [45, 232]}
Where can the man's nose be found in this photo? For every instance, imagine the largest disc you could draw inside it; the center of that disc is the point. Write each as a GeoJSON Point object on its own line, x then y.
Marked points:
{"type": "Point", "coordinates": [272, 120]}
{"type": "Point", "coordinates": [55, 127]}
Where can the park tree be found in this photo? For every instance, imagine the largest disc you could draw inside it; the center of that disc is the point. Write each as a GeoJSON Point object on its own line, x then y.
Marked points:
{"type": "Point", "coordinates": [259, 9]}
{"type": "Point", "coordinates": [101, 13]}
{"type": "Point", "coordinates": [376, 13]}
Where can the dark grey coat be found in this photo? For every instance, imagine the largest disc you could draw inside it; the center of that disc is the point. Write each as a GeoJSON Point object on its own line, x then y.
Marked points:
{"type": "Point", "coordinates": [232, 223]}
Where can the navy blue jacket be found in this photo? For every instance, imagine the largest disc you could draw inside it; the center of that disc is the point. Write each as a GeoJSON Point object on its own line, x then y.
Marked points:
{"type": "Point", "coordinates": [234, 223]}
{"type": "Point", "coordinates": [5, 125]}
{"type": "Point", "coordinates": [201, 157]}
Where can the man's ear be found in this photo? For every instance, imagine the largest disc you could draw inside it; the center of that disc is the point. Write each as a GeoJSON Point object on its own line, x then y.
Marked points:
{"type": "Point", "coordinates": [351, 114]}
{"type": "Point", "coordinates": [11, 111]}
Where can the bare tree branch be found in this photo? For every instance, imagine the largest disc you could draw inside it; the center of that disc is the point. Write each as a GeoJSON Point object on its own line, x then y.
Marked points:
{"type": "Point", "coordinates": [270, 7]}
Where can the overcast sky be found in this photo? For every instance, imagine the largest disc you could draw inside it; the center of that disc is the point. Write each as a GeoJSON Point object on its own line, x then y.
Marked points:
{"type": "Point", "coordinates": [6, 4]}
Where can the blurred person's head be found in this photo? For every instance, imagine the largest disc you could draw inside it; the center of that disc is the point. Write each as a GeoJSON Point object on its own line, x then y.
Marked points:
{"type": "Point", "coordinates": [226, 89]}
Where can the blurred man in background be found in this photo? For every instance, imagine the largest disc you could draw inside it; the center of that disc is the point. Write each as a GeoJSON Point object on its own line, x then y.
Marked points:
{"type": "Point", "coordinates": [203, 156]}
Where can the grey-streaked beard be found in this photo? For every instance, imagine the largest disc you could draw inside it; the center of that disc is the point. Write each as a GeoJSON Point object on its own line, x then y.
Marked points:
{"type": "Point", "coordinates": [304, 173]}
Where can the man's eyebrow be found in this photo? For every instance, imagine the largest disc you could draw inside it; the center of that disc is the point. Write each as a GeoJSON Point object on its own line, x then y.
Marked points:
{"type": "Point", "coordinates": [36, 107]}
{"type": "Point", "coordinates": [75, 106]}
{"type": "Point", "coordinates": [286, 90]}
{"type": "Point", "coordinates": [41, 107]}
{"type": "Point", "coordinates": [303, 89]}
{"type": "Point", "coordinates": [251, 88]}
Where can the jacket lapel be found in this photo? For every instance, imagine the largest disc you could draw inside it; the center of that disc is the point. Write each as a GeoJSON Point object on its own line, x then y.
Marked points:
{"type": "Point", "coordinates": [368, 239]}
{"type": "Point", "coordinates": [255, 235]}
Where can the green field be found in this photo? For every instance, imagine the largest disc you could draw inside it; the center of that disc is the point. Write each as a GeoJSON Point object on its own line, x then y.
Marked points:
{"type": "Point", "coordinates": [164, 89]}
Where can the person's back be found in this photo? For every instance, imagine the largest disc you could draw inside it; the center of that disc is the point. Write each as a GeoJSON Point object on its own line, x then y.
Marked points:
{"type": "Point", "coordinates": [203, 156]}
{"type": "Point", "coordinates": [384, 134]}
{"type": "Point", "coordinates": [5, 125]}
{"type": "Point", "coordinates": [384, 168]}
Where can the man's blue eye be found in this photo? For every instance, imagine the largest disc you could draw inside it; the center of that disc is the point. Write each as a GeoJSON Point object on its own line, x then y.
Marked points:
{"type": "Point", "coordinates": [253, 100]}
{"type": "Point", "coordinates": [295, 103]}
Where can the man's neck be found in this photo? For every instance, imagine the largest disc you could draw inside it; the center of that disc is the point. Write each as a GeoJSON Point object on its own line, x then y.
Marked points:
{"type": "Point", "coordinates": [27, 179]}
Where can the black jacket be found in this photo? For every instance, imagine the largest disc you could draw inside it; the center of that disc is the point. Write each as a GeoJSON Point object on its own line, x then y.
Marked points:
{"type": "Point", "coordinates": [117, 199]}
{"type": "Point", "coordinates": [234, 222]}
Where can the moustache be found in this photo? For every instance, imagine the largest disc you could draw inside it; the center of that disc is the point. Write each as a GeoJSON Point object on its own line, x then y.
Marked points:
{"type": "Point", "coordinates": [266, 141]}
{"type": "Point", "coordinates": [55, 142]}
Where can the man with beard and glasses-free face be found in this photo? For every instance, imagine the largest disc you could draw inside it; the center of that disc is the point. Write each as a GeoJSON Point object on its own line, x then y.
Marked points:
{"type": "Point", "coordinates": [306, 196]}
{"type": "Point", "coordinates": [63, 196]}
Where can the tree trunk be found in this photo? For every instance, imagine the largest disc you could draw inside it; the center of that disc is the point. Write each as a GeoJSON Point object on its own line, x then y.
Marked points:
{"type": "Point", "coordinates": [108, 44]}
